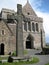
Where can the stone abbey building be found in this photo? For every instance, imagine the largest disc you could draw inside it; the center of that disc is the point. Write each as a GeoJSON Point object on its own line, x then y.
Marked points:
{"type": "Point", "coordinates": [31, 28]}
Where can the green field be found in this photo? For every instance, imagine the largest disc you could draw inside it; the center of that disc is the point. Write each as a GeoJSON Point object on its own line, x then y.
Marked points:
{"type": "Point", "coordinates": [2, 58]}
{"type": "Point", "coordinates": [47, 64]}
{"type": "Point", "coordinates": [33, 60]}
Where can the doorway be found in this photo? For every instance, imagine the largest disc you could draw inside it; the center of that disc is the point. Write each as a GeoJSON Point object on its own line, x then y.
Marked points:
{"type": "Point", "coordinates": [29, 42]}
{"type": "Point", "coordinates": [2, 49]}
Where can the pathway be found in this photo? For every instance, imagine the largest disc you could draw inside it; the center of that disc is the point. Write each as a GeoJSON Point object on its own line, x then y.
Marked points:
{"type": "Point", "coordinates": [43, 59]}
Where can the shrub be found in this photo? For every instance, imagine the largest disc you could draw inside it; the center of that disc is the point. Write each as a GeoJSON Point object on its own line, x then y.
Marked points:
{"type": "Point", "coordinates": [14, 53]}
{"type": "Point", "coordinates": [10, 59]}
{"type": "Point", "coordinates": [0, 61]}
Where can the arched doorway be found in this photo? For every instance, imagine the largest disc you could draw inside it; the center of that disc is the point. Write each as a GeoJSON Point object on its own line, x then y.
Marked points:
{"type": "Point", "coordinates": [29, 42]}
{"type": "Point", "coordinates": [2, 49]}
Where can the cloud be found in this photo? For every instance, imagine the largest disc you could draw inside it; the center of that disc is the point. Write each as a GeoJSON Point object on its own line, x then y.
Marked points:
{"type": "Point", "coordinates": [11, 4]}
{"type": "Point", "coordinates": [36, 4]}
{"type": "Point", "coordinates": [22, 2]}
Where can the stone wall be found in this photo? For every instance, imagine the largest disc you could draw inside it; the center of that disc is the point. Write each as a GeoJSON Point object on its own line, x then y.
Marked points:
{"type": "Point", "coordinates": [8, 40]}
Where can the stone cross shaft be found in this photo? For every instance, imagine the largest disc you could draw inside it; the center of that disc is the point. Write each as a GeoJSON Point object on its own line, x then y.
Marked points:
{"type": "Point", "coordinates": [19, 31]}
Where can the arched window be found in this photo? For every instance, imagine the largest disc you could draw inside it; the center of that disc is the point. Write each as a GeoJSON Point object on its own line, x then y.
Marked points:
{"type": "Point", "coordinates": [36, 26]}
{"type": "Point", "coordinates": [25, 26]}
{"type": "Point", "coordinates": [33, 27]}
{"type": "Point", "coordinates": [3, 32]}
{"type": "Point", "coordinates": [29, 26]}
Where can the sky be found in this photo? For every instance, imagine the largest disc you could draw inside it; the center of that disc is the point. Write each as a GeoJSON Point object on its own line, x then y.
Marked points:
{"type": "Point", "coordinates": [41, 7]}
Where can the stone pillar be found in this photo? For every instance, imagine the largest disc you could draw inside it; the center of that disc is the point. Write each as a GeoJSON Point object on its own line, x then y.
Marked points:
{"type": "Point", "coordinates": [19, 33]}
{"type": "Point", "coordinates": [41, 39]}
{"type": "Point", "coordinates": [27, 25]}
{"type": "Point", "coordinates": [31, 25]}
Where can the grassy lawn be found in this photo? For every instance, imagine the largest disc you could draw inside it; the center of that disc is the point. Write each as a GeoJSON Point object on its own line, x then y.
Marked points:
{"type": "Point", "coordinates": [47, 64]}
{"type": "Point", "coordinates": [33, 60]}
{"type": "Point", "coordinates": [25, 52]}
{"type": "Point", "coordinates": [10, 63]}
{"type": "Point", "coordinates": [2, 58]}
{"type": "Point", "coordinates": [14, 53]}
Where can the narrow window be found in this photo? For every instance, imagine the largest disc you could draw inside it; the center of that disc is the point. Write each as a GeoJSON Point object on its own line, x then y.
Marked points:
{"type": "Point", "coordinates": [25, 26]}
{"type": "Point", "coordinates": [2, 32]}
{"type": "Point", "coordinates": [28, 13]}
{"type": "Point", "coordinates": [29, 26]}
{"type": "Point", "coordinates": [36, 26]}
{"type": "Point", "coordinates": [33, 27]}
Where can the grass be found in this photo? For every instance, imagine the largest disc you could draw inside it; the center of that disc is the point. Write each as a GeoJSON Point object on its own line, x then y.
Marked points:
{"type": "Point", "coordinates": [14, 53]}
{"type": "Point", "coordinates": [25, 52]}
{"type": "Point", "coordinates": [33, 60]}
{"type": "Point", "coordinates": [10, 63]}
{"type": "Point", "coordinates": [47, 64]}
{"type": "Point", "coordinates": [2, 58]}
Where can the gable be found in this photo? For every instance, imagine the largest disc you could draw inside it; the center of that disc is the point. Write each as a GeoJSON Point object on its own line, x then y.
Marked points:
{"type": "Point", "coordinates": [27, 9]}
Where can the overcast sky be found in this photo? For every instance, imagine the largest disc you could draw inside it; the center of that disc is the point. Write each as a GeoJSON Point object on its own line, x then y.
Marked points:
{"type": "Point", "coordinates": [41, 8]}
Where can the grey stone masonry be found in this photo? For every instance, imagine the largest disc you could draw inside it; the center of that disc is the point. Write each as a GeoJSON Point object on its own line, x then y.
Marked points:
{"type": "Point", "coordinates": [19, 35]}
